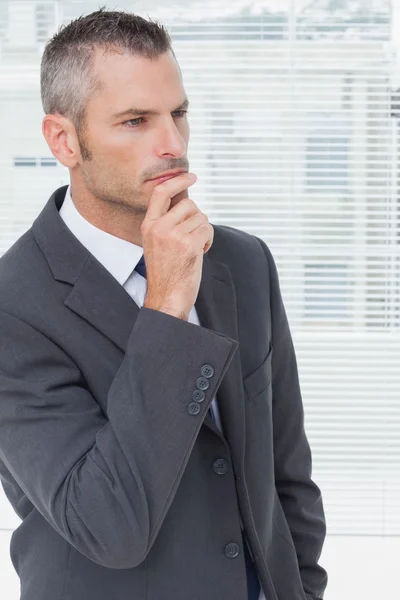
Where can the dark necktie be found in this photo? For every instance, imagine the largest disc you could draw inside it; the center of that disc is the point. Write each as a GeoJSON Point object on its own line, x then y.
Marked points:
{"type": "Point", "coordinates": [141, 267]}
{"type": "Point", "coordinates": [253, 586]}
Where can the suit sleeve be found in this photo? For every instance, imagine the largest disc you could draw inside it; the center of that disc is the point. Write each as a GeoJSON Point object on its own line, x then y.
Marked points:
{"type": "Point", "coordinates": [105, 482]}
{"type": "Point", "coordinates": [299, 495]}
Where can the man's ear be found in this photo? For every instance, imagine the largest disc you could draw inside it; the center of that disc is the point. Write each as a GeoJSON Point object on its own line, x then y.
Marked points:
{"type": "Point", "coordinates": [61, 138]}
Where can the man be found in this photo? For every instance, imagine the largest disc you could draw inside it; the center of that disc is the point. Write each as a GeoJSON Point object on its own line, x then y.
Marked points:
{"type": "Point", "coordinates": [151, 424]}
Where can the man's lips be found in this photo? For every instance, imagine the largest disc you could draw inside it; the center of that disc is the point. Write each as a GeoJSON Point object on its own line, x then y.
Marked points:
{"type": "Point", "coordinates": [165, 177]}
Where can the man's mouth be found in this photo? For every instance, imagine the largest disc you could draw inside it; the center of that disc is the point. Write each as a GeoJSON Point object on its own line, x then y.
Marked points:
{"type": "Point", "coordinates": [165, 177]}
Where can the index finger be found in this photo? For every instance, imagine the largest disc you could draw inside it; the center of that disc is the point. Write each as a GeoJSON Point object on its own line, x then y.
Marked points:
{"type": "Point", "coordinates": [160, 200]}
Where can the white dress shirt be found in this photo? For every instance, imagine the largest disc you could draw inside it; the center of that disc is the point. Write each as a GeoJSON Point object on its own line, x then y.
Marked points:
{"type": "Point", "coordinates": [120, 258]}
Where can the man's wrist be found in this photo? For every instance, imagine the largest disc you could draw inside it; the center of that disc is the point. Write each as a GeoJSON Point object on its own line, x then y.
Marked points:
{"type": "Point", "coordinates": [179, 314]}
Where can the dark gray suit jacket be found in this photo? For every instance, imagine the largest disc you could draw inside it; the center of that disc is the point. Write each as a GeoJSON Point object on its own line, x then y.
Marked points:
{"type": "Point", "coordinates": [117, 481]}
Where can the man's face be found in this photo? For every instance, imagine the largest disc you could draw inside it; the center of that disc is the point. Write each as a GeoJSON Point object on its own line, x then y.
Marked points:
{"type": "Point", "coordinates": [122, 152]}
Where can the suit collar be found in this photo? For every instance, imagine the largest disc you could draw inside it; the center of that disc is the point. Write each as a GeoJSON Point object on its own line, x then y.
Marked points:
{"type": "Point", "coordinates": [97, 297]}
{"type": "Point", "coordinates": [118, 256]}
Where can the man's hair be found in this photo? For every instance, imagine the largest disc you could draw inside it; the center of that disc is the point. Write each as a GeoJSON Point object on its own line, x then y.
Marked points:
{"type": "Point", "coordinates": [67, 78]}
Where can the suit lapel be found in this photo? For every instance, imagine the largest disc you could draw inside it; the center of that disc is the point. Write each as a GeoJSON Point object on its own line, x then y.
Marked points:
{"type": "Point", "coordinates": [97, 297]}
{"type": "Point", "coordinates": [103, 302]}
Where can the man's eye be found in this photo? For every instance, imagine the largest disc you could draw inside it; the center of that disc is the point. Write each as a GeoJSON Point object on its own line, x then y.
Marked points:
{"type": "Point", "coordinates": [135, 123]}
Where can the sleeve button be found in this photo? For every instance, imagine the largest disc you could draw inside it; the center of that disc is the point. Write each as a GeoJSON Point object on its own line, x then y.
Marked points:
{"type": "Point", "coordinates": [207, 371]}
{"type": "Point", "coordinates": [194, 408]}
{"type": "Point", "coordinates": [202, 383]}
{"type": "Point", "coordinates": [198, 395]}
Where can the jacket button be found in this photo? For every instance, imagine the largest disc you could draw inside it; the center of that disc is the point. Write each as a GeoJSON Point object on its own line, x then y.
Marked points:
{"type": "Point", "coordinates": [198, 395]}
{"type": "Point", "coordinates": [202, 383]}
{"type": "Point", "coordinates": [232, 550]}
{"type": "Point", "coordinates": [207, 371]}
{"type": "Point", "coordinates": [194, 408]}
{"type": "Point", "coordinates": [220, 466]}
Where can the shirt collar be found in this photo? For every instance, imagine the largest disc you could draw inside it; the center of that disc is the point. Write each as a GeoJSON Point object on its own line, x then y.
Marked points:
{"type": "Point", "coordinates": [118, 256]}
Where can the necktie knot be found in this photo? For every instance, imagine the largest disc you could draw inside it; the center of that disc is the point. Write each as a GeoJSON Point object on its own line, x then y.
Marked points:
{"type": "Point", "coordinates": [141, 267]}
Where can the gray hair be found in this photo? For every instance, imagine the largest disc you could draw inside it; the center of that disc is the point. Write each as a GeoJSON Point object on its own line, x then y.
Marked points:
{"type": "Point", "coordinates": [67, 80]}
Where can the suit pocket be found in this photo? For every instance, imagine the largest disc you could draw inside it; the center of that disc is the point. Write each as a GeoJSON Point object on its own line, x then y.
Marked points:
{"type": "Point", "coordinates": [259, 379]}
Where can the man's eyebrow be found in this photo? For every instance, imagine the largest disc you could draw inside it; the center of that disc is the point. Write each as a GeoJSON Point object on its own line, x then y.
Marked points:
{"type": "Point", "coordinates": [141, 111]}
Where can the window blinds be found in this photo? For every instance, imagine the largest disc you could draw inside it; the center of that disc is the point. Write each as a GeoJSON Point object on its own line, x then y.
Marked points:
{"type": "Point", "coordinates": [294, 138]}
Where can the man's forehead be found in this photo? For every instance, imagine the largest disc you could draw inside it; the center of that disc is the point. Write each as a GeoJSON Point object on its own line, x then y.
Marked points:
{"type": "Point", "coordinates": [116, 71]}
{"type": "Point", "coordinates": [128, 85]}
{"type": "Point", "coordinates": [107, 60]}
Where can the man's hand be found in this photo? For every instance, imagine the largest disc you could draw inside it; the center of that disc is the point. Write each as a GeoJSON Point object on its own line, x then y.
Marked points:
{"type": "Point", "coordinates": [175, 240]}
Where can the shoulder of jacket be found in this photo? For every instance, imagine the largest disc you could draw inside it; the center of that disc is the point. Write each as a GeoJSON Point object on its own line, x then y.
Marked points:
{"type": "Point", "coordinates": [230, 239]}
{"type": "Point", "coordinates": [19, 265]}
